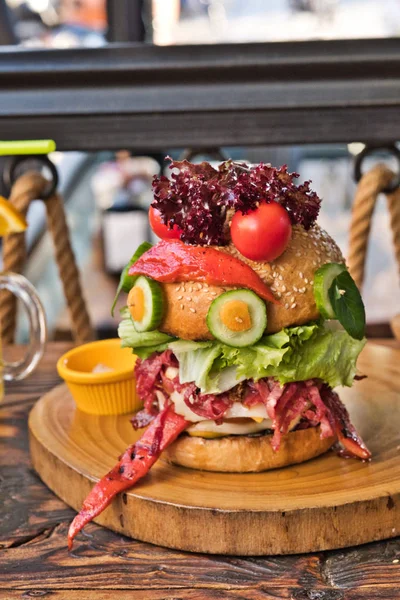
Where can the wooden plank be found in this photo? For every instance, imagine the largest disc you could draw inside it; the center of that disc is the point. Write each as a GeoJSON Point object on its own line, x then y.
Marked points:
{"type": "Point", "coordinates": [148, 594]}
{"type": "Point", "coordinates": [114, 562]}
{"type": "Point", "coordinates": [34, 561]}
{"type": "Point", "coordinates": [363, 568]}
{"type": "Point", "coordinates": [108, 561]}
{"type": "Point", "coordinates": [27, 506]}
{"type": "Point", "coordinates": [379, 592]}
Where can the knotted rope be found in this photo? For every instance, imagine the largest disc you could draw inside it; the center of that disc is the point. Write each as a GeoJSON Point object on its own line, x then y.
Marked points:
{"type": "Point", "coordinates": [370, 186]}
{"type": "Point", "coordinates": [28, 187]}
{"type": "Point", "coordinates": [394, 209]}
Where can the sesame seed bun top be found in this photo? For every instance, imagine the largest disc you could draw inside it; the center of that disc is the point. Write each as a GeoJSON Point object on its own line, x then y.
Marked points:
{"type": "Point", "coordinates": [290, 278]}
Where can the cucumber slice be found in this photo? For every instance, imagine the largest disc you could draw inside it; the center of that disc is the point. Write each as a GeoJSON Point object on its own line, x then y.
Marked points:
{"type": "Point", "coordinates": [245, 313]}
{"type": "Point", "coordinates": [323, 279]}
{"type": "Point", "coordinates": [129, 280]}
{"type": "Point", "coordinates": [150, 293]}
{"type": "Point", "coordinates": [126, 281]}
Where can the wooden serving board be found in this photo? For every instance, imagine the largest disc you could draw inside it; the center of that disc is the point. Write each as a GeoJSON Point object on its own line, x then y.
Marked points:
{"type": "Point", "coordinates": [325, 503]}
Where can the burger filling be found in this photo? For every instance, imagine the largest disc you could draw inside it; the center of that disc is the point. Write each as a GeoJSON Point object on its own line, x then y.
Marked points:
{"type": "Point", "coordinates": [213, 396]}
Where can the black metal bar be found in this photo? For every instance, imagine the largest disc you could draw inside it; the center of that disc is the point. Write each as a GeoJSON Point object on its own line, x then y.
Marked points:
{"type": "Point", "coordinates": [388, 148]}
{"type": "Point", "coordinates": [125, 21]}
{"type": "Point", "coordinates": [140, 96]}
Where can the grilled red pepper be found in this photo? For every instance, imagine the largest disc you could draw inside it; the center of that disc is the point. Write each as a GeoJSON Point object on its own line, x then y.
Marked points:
{"type": "Point", "coordinates": [344, 429]}
{"type": "Point", "coordinates": [171, 261]}
{"type": "Point", "coordinates": [133, 465]}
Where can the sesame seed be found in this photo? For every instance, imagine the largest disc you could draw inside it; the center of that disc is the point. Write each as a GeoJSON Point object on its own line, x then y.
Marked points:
{"type": "Point", "coordinates": [191, 289]}
{"type": "Point", "coordinates": [298, 254]}
{"type": "Point", "coordinates": [280, 278]}
{"type": "Point", "coordinates": [395, 561]}
{"type": "Point", "coordinates": [295, 288]}
{"type": "Point", "coordinates": [281, 268]}
{"type": "Point", "coordinates": [200, 286]}
{"type": "Point", "coordinates": [283, 288]}
{"type": "Point", "coordinates": [189, 298]}
{"type": "Point", "coordinates": [292, 299]}
{"type": "Point", "coordinates": [306, 280]}
{"type": "Point", "coordinates": [206, 290]}
{"type": "Point", "coordinates": [286, 305]}
{"type": "Point", "coordinates": [300, 275]}
{"type": "Point", "coordinates": [213, 293]}
{"type": "Point", "coordinates": [182, 307]}
{"type": "Point", "coordinates": [192, 310]}
{"type": "Point", "coordinates": [178, 289]}
{"type": "Point", "coordinates": [279, 294]}
{"type": "Point", "coordinates": [272, 289]}
{"type": "Point", "coordinates": [293, 305]}
{"type": "Point", "coordinates": [179, 297]}
{"type": "Point", "coordinates": [238, 320]}
{"type": "Point", "coordinates": [289, 293]}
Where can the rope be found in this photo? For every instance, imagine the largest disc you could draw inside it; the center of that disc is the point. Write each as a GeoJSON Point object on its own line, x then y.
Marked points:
{"type": "Point", "coordinates": [368, 189]}
{"type": "Point", "coordinates": [28, 187]}
{"type": "Point", "coordinates": [394, 210]}
{"type": "Point", "coordinates": [81, 326]}
{"type": "Point", "coordinates": [370, 186]}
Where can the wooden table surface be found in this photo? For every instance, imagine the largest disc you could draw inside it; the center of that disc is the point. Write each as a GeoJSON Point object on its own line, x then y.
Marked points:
{"type": "Point", "coordinates": [34, 562]}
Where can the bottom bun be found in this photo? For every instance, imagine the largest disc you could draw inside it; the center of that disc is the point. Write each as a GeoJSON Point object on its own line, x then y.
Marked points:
{"type": "Point", "coordinates": [246, 453]}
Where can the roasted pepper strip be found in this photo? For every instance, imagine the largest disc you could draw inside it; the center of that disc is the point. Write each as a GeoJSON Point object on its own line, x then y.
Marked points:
{"type": "Point", "coordinates": [346, 432]}
{"type": "Point", "coordinates": [171, 261]}
{"type": "Point", "coordinates": [133, 465]}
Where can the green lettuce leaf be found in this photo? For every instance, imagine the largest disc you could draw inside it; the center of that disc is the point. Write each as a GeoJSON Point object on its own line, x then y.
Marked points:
{"type": "Point", "coordinates": [292, 354]}
{"type": "Point", "coordinates": [143, 344]}
{"type": "Point", "coordinates": [330, 355]}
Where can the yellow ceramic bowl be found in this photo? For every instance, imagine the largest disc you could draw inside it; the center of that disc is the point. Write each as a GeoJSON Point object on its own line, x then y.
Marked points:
{"type": "Point", "coordinates": [111, 392]}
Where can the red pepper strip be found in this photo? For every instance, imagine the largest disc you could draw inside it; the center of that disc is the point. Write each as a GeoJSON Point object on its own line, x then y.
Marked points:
{"type": "Point", "coordinates": [174, 261]}
{"type": "Point", "coordinates": [133, 465]}
{"type": "Point", "coordinates": [346, 432]}
{"type": "Point", "coordinates": [353, 447]}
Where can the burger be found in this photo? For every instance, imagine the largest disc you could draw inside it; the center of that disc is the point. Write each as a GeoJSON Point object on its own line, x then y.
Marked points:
{"type": "Point", "coordinates": [244, 319]}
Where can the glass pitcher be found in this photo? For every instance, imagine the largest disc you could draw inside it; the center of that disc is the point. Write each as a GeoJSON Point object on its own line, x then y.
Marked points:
{"type": "Point", "coordinates": [24, 290]}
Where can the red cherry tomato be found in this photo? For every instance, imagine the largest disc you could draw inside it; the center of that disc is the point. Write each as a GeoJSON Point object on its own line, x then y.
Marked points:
{"type": "Point", "coordinates": [263, 233]}
{"type": "Point", "coordinates": [160, 229]}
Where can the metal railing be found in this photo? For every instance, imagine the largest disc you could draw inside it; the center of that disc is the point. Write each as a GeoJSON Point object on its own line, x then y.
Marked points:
{"type": "Point", "coordinates": [149, 97]}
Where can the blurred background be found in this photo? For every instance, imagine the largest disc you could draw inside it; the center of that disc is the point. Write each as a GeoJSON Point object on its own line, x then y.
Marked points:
{"type": "Point", "coordinates": [63, 23]}
{"type": "Point", "coordinates": [107, 194]}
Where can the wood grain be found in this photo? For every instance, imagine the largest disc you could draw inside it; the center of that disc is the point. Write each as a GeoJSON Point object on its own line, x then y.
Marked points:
{"type": "Point", "coordinates": [321, 504]}
{"type": "Point", "coordinates": [34, 561]}
{"type": "Point", "coordinates": [27, 506]}
{"type": "Point", "coordinates": [155, 595]}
